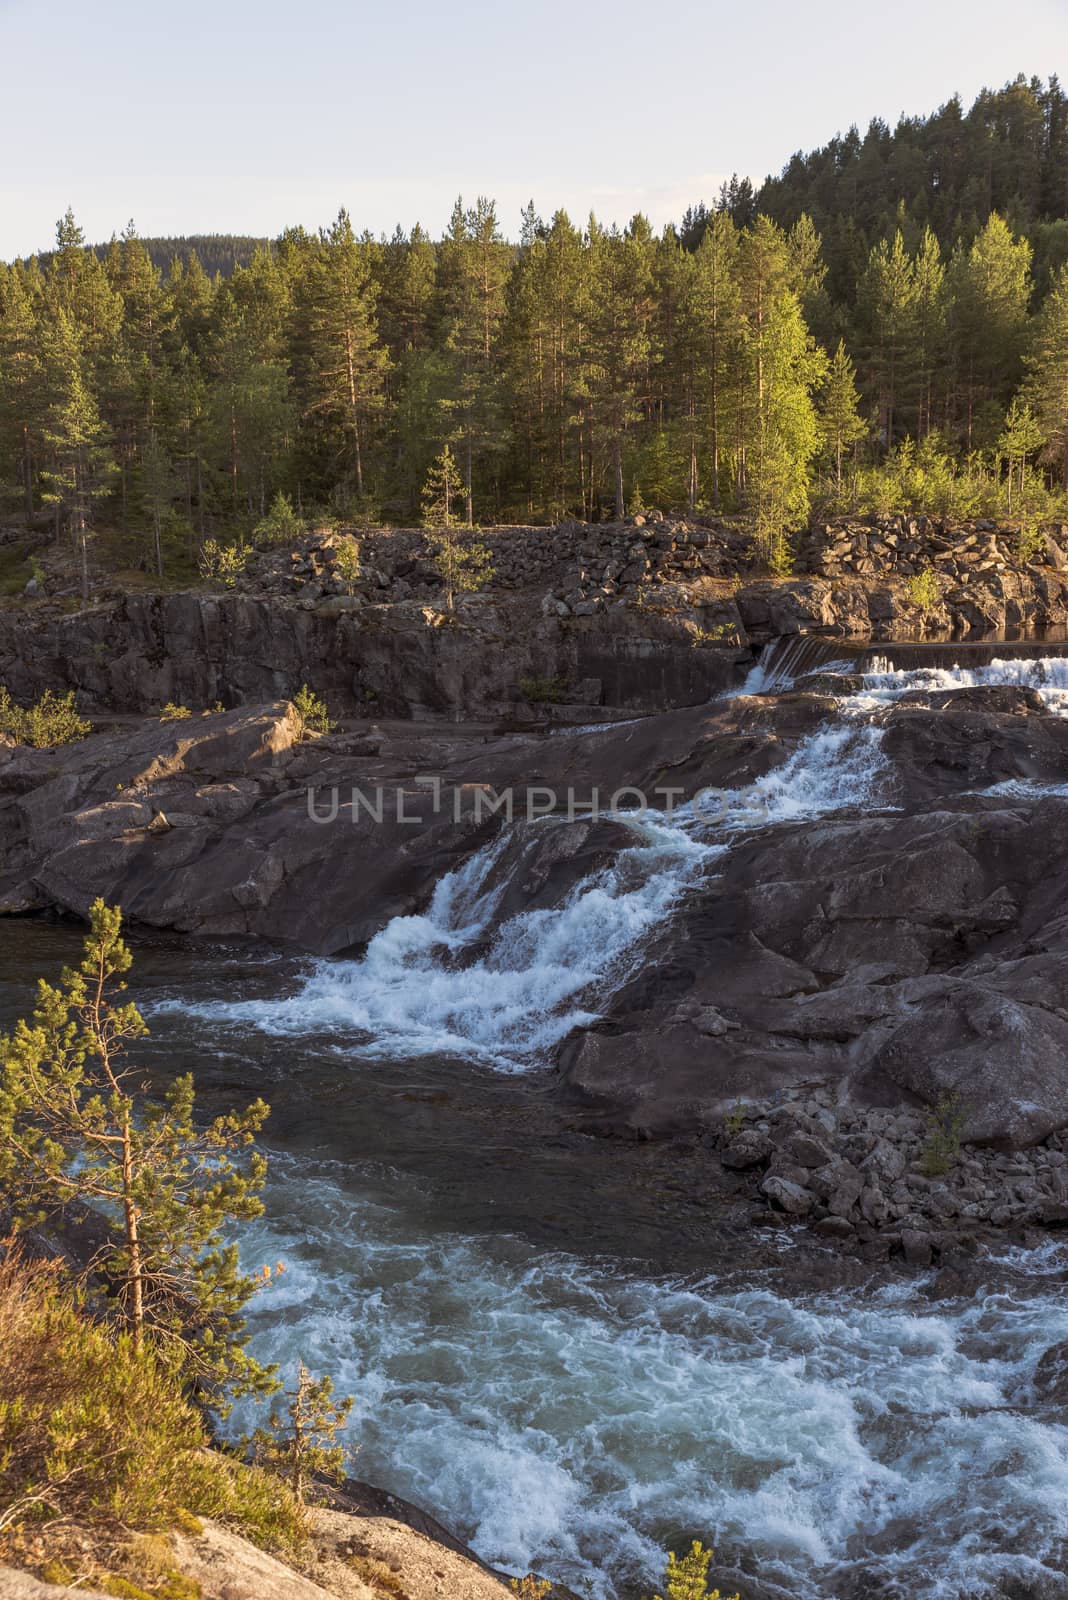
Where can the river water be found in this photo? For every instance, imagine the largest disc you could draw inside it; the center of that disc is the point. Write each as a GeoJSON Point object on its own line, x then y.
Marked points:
{"type": "Point", "coordinates": [570, 1349]}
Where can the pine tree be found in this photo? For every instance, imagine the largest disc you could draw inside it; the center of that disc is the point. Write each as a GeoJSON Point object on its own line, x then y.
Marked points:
{"type": "Point", "coordinates": [989, 287]}
{"type": "Point", "coordinates": [301, 1442]}
{"type": "Point", "coordinates": [78, 1126]}
{"type": "Point", "coordinates": [886, 296]}
{"type": "Point", "coordinates": [620, 333]}
{"type": "Point", "coordinates": [1019, 438]}
{"type": "Point", "coordinates": [839, 416]}
{"type": "Point", "coordinates": [474, 268]}
{"type": "Point", "coordinates": [21, 375]}
{"type": "Point", "coordinates": [441, 492]}
{"type": "Point", "coordinates": [78, 462]}
{"type": "Point", "coordinates": [348, 362]}
{"type": "Point", "coordinates": [928, 328]}
{"type": "Point", "coordinates": [1046, 387]}
{"type": "Point", "coordinates": [464, 566]}
{"type": "Point", "coordinates": [714, 309]}
{"type": "Point", "coordinates": [778, 430]}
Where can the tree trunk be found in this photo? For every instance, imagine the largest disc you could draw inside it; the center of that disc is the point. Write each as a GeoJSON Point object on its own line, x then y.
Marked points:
{"type": "Point", "coordinates": [618, 460]}
{"type": "Point", "coordinates": [27, 473]}
{"type": "Point", "coordinates": [135, 1312]}
{"type": "Point", "coordinates": [469, 509]}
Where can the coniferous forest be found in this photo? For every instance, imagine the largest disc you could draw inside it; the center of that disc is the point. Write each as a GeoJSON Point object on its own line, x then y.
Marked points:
{"type": "Point", "coordinates": [885, 324]}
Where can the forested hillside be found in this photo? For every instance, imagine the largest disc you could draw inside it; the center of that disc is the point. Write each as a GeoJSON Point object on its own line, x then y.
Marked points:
{"type": "Point", "coordinates": [883, 326]}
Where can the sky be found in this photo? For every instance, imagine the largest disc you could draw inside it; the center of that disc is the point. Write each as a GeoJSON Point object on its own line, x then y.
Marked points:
{"type": "Point", "coordinates": [229, 116]}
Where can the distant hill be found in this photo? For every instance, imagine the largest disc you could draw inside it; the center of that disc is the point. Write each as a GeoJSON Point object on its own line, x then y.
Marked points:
{"type": "Point", "coordinates": [949, 171]}
{"type": "Point", "coordinates": [218, 252]}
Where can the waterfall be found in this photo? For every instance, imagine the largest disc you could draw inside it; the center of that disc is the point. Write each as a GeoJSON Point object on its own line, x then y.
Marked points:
{"type": "Point", "coordinates": [1047, 675]}
{"type": "Point", "coordinates": [422, 988]}
{"type": "Point", "coordinates": [790, 657]}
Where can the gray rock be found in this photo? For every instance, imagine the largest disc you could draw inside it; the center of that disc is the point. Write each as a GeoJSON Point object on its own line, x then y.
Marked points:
{"type": "Point", "coordinates": [789, 1197]}
{"type": "Point", "coordinates": [916, 1247]}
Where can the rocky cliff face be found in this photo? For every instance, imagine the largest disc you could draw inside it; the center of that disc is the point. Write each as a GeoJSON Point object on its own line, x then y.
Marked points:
{"type": "Point", "coordinates": [640, 616]}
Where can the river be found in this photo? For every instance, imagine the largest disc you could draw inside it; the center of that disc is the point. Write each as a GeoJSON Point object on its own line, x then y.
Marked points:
{"type": "Point", "coordinates": [568, 1348]}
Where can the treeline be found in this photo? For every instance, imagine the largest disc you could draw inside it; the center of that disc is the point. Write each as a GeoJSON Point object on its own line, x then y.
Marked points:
{"type": "Point", "coordinates": [579, 371]}
{"type": "Point", "coordinates": [218, 253]}
{"type": "Point", "coordinates": [946, 172]}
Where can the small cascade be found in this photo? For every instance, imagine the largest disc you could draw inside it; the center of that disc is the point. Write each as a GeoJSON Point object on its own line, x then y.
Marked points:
{"type": "Point", "coordinates": [790, 657]}
{"type": "Point", "coordinates": [947, 655]}
{"type": "Point", "coordinates": [459, 980]}
{"type": "Point", "coordinates": [1046, 674]}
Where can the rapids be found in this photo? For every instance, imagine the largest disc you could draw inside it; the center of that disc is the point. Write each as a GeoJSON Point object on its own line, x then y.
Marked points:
{"type": "Point", "coordinates": [577, 1406]}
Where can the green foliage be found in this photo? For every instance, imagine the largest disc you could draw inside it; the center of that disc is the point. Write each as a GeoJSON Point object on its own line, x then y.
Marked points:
{"type": "Point", "coordinates": [174, 713]}
{"type": "Point", "coordinates": [531, 1587]}
{"type": "Point", "coordinates": [78, 1127]}
{"type": "Point", "coordinates": [222, 563]}
{"type": "Point", "coordinates": [347, 563]}
{"type": "Point", "coordinates": [871, 293]}
{"type": "Point", "coordinates": [281, 525]}
{"type": "Point", "coordinates": [96, 1432]}
{"type": "Point", "coordinates": [462, 566]}
{"type": "Point", "coordinates": [50, 721]}
{"type": "Point", "coordinates": [941, 1146]}
{"type": "Point", "coordinates": [541, 691]}
{"type": "Point", "coordinates": [441, 492]}
{"type": "Point", "coordinates": [924, 589]}
{"type": "Point", "coordinates": [734, 1121]}
{"type": "Point", "coordinates": [301, 1442]}
{"type": "Point", "coordinates": [314, 717]}
{"type": "Point", "coordinates": [688, 1579]}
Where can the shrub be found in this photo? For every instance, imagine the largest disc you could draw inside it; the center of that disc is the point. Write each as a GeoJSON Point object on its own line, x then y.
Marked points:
{"type": "Point", "coordinates": [945, 1124]}
{"type": "Point", "coordinates": [50, 721]}
{"type": "Point", "coordinates": [531, 1587]}
{"type": "Point", "coordinates": [925, 589]}
{"type": "Point", "coordinates": [97, 1433]}
{"type": "Point", "coordinates": [314, 718]}
{"type": "Point", "coordinates": [281, 525]}
{"type": "Point", "coordinates": [688, 1579]}
{"type": "Point", "coordinates": [347, 563]}
{"type": "Point", "coordinates": [223, 563]}
{"type": "Point", "coordinates": [734, 1120]}
{"type": "Point", "coordinates": [173, 713]}
{"type": "Point", "coordinates": [541, 690]}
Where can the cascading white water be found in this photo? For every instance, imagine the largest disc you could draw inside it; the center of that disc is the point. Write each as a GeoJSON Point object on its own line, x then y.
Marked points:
{"type": "Point", "coordinates": [572, 1419]}
{"type": "Point", "coordinates": [1047, 675]}
{"type": "Point", "coordinates": [786, 659]}
{"type": "Point", "coordinates": [414, 993]}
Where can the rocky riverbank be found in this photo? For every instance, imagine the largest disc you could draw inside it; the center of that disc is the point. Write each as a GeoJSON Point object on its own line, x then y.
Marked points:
{"type": "Point", "coordinates": [578, 621]}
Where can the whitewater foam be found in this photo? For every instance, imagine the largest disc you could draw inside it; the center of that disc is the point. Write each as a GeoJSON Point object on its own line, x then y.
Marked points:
{"type": "Point", "coordinates": [572, 1419]}
{"type": "Point", "coordinates": [413, 993]}
{"type": "Point", "coordinates": [1047, 675]}
{"type": "Point", "coordinates": [421, 989]}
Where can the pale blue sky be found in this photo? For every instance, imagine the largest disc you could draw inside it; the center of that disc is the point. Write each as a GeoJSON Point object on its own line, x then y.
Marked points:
{"type": "Point", "coordinates": [233, 116]}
